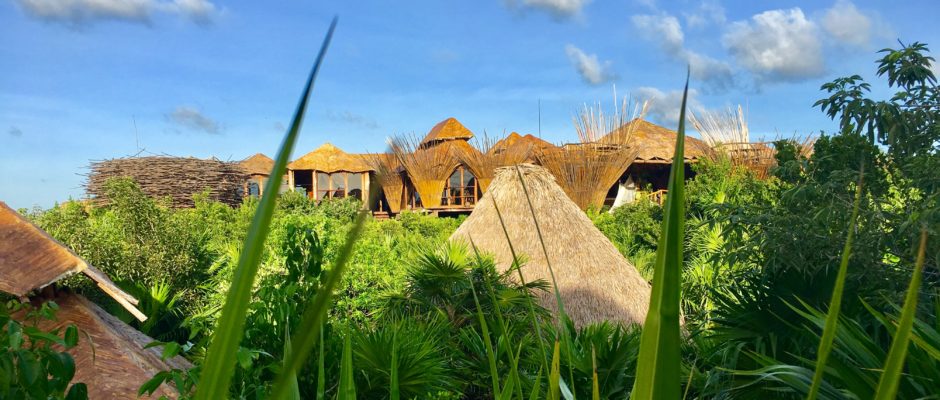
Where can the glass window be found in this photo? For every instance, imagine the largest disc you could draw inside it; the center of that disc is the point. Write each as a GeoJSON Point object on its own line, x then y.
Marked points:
{"type": "Point", "coordinates": [460, 189]}
{"type": "Point", "coordinates": [354, 182]}
{"type": "Point", "coordinates": [323, 185]}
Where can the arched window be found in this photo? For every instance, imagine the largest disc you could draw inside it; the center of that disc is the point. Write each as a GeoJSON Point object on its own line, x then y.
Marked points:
{"type": "Point", "coordinates": [461, 189]}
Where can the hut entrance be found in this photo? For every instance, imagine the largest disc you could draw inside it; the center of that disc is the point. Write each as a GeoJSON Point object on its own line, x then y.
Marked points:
{"type": "Point", "coordinates": [461, 189]}
{"type": "Point", "coordinates": [303, 182]}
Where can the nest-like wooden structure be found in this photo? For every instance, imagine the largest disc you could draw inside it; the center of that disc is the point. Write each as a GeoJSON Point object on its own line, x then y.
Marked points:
{"type": "Point", "coordinates": [174, 178]}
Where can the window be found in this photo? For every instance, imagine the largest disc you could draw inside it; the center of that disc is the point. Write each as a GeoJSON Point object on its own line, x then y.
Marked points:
{"type": "Point", "coordinates": [461, 189]}
{"type": "Point", "coordinates": [338, 185]}
{"type": "Point", "coordinates": [323, 185]}
{"type": "Point", "coordinates": [338, 180]}
{"type": "Point", "coordinates": [354, 185]}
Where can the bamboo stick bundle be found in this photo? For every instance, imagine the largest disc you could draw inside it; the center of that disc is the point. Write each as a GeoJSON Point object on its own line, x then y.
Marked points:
{"type": "Point", "coordinates": [483, 157]}
{"type": "Point", "coordinates": [388, 174]}
{"type": "Point", "coordinates": [175, 178]}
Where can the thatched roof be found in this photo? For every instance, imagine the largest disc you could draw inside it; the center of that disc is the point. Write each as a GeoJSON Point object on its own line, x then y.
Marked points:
{"type": "Point", "coordinates": [596, 282]}
{"type": "Point", "coordinates": [656, 144]}
{"type": "Point", "coordinates": [329, 158]}
{"type": "Point", "coordinates": [258, 164]}
{"type": "Point", "coordinates": [30, 259]}
{"type": "Point", "coordinates": [110, 357]}
{"type": "Point", "coordinates": [517, 143]}
{"type": "Point", "coordinates": [448, 129]}
{"type": "Point", "coordinates": [179, 178]}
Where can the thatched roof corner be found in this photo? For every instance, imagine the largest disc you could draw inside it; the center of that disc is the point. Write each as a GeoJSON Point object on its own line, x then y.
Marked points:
{"type": "Point", "coordinates": [110, 357]}
{"type": "Point", "coordinates": [448, 129]}
{"type": "Point", "coordinates": [596, 282]}
{"type": "Point", "coordinates": [30, 258]}
{"type": "Point", "coordinates": [179, 178]}
{"type": "Point", "coordinates": [258, 164]}
{"type": "Point", "coordinates": [522, 144]}
{"type": "Point", "coordinates": [657, 144]}
{"type": "Point", "coordinates": [329, 158]}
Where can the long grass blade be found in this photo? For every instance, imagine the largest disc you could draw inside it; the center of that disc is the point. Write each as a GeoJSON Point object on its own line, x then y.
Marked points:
{"type": "Point", "coordinates": [894, 365]}
{"type": "Point", "coordinates": [394, 391]}
{"type": "Point", "coordinates": [832, 319]}
{"type": "Point", "coordinates": [321, 369]}
{"type": "Point", "coordinates": [316, 309]}
{"type": "Point", "coordinates": [595, 387]}
{"type": "Point", "coordinates": [490, 354]}
{"type": "Point", "coordinates": [294, 393]}
{"type": "Point", "coordinates": [219, 366]}
{"type": "Point", "coordinates": [554, 377]}
{"type": "Point", "coordinates": [536, 392]}
{"type": "Point", "coordinates": [347, 385]}
{"type": "Point", "coordinates": [657, 375]}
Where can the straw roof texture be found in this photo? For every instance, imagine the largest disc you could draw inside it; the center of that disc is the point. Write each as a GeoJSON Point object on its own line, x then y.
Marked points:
{"type": "Point", "coordinates": [258, 164]}
{"type": "Point", "coordinates": [656, 144]}
{"type": "Point", "coordinates": [522, 148]}
{"type": "Point", "coordinates": [428, 167]}
{"type": "Point", "coordinates": [388, 173]}
{"type": "Point", "coordinates": [448, 129]}
{"type": "Point", "coordinates": [178, 178]}
{"type": "Point", "coordinates": [595, 281]}
{"type": "Point", "coordinates": [329, 158]}
{"type": "Point", "coordinates": [110, 357]}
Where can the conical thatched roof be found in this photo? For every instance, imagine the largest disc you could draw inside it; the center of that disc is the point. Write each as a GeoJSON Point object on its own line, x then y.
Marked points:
{"type": "Point", "coordinates": [110, 357]}
{"type": "Point", "coordinates": [656, 144]}
{"type": "Point", "coordinates": [258, 164]}
{"type": "Point", "coordinates": [527, 144]}
{"type": "Point", "coordinates": [30, 259]}
{"type": "Point", "coordinates": [448, 129]}
{"type": "Point", "coordinates": [596, 282]}
{"type": "Point", "coordinates": [328, 158]}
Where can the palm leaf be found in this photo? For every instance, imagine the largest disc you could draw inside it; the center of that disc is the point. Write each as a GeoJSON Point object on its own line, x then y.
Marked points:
{"type": "Point", "coordinates": [219, 366]}
{"type": "Point", "coordinates": [657, 375]}
{"type": "Point", "coordinates": [894, 365]}
{"type": "Point", "coordinates": [347, 386]}
{"type": "Point", "coordinates": [832, 318]}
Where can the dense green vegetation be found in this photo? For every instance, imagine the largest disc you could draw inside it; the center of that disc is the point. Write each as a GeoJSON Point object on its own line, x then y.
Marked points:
{"type": "Point", "coordinates": [413, 316]}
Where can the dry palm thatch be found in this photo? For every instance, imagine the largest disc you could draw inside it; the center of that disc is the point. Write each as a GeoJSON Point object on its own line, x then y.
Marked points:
{"type": "Point", "coordinates": [258, 164]}
{"type": "Point", "coordinates": [595, 281]}
{"type": "Point", "coordinates": [429, 168]}
{"type": "Point", "coordinates": [176, 178]}
{"type": "Point", "coordinates": [587, 170]}
{"type": "Point", "coordinates": [484, 157]}
{"type": "Point", "coordinates": [388, 174]}
{"type": "Point", "coordinates": [728, 135]}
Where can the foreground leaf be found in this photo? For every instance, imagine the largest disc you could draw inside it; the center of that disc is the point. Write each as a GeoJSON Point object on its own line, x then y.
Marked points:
{"type": "Point", "coordinates": [657, 375]}
{"type": "Point", "coordinates": [220, 360]}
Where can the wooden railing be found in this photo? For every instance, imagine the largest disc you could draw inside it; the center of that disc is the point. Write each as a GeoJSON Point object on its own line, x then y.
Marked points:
{"type": "Point", "coordinates": [658, 197]}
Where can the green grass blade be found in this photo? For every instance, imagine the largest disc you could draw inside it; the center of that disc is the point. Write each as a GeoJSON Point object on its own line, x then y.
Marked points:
{"type": "Point", "coordinates": [316, 309]}
{"type": "Point", "coordinates": [321, 369]}
{"type": "Point", "coordinates": [490, 355]}
{"type": "Point", "coordinates": [554, 377]}
{"type": "Point", "coordinates": [596, 387]}
{"type": "Point", "coordinates": [657, 375]}
{"type": "Point", "coordinates": [537, 386]}
{"type": "Point", "coordinates": [394, 390]}
{"type": "Point", "coordinates": [832, 319]}
{"type": "Point", "coordinates": [894, 365]}
{"type": "Point", "coordinates": [219, 365]}
{"type": "Point", "coordinates": [347, 385]}
{"type": "Point", "coordinates": [294, 393]}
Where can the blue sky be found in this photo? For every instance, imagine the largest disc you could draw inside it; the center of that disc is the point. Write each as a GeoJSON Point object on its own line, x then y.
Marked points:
{"type": "Point", "coordinates": [83, 80]}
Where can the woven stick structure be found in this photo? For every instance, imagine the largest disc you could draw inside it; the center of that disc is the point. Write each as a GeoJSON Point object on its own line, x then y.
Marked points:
{"type": "Point", "coordinates": [176, 178]}
{"type": "Point", "coordinates": [486, 155]}
{"type": "Point", "coordinates": [387, 171]}
{"type": "Point", "coordinates": [429, 168]}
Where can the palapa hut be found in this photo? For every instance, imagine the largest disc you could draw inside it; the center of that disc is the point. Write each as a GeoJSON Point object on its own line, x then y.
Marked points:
{"type": "Point", "coordinates": [595, 281]}
{"type": "Point", "coordinates": [329, 172]}
{"type": "Point", "coordinates": [258, 167]}
{"type": "Point", "coordinates": [110, 357]}
{"type": "Point", "coordinates": [390, 176]}
{"type": "Point", "coordinates": [521, 147]}
{"type": "Point", "coordinates": [176, 178]}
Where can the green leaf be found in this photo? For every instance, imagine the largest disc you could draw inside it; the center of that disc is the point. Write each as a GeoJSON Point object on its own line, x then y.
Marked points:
{"type": "Point", "coordinates": [657, 375]}
{"type": "Point", "coordinates": [508, 388]}
{"type": "Point", "coordinates": [15, 333]}
{"type": "Point", "coordinates": [170, 350]}
{"type": "Point", "coordinates": [554, 377]}
{"type": "Point", "coordinates": [596, 392]}
{"type": "Point", "coordinates": [294, 392]}
{"type": "Point", "coordinates": [537, 386]}
{"type": "Point", "coordinates": [71, 336]}
{"type": "Point", "coordinates": [321, 369]}
{"type": "Point", "coordinates": [78, 391]}
{"type": "Point", "coordinates": [894, 365]}
{"type": "Point", "coordinates": [490, 354]}
{"type": "Point", "coordinates": [152, 384]}
{"type": "Point", "coordinates": [347, 385]}
{"type": "Point", "coordinates": [220, 360]}
{"type": "Point", "coordinates": [394, 391]}
{"type": "Point", "coordinates": [832, 318]}
{"type": "Point", "coordinates": [29, 367]}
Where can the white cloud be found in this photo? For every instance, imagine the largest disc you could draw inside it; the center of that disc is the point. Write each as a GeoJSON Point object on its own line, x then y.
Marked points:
{"type": "Point", "coordinates": [588, 66]}
{"type": "Point", "coordinates": [558, 8]}
{"type": "Point", "coordinates": [777, 45]}
{"type": "Point", "coordinates": [193, 119]}
{"type": "Point", "coordinates": [666, 30]}
{"type": "Point", "coordinates": [77, 13]}
{"type": "Point", "coordinates": [664, 107]}
{"type": "Point", "coordinates": [846, 24]}
{"type": "Point", "coordinates": [707, 12]}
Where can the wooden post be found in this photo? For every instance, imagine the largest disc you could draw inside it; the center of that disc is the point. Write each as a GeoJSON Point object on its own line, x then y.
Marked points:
{"type": "Point", "coordinates": [290, 179]}
{"type": "Point", "coordinates": [314, 176]}
{"type": "Point", "coordinates": [366, 194]}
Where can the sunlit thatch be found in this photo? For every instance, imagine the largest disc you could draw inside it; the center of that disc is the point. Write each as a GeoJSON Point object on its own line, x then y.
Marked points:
{"type": "Point", "coordinates": [487, 154]}
{"type": "Point", "coordinates": [587, 170]}
{"type": "Point", "coordinates": [429, 168]}
{"type": "Point", "coordinates": [728, 135]}
{"type": "Point", "coordinates": [387, 171]}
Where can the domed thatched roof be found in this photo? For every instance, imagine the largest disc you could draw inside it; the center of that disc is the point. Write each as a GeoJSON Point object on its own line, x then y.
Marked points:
{"type": "Point", "coordinates": [448, 129]}
{"type": "Point", "coordinates": [521, 144]}
{"type": "Point", "coordinates": [596, 282]}
{"type": "Point", "coordinates": [258, 164]}
{"type": "Point", "coordinates": [657, 144]}
{"type": "Point", "coordinates": [328, 158]}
